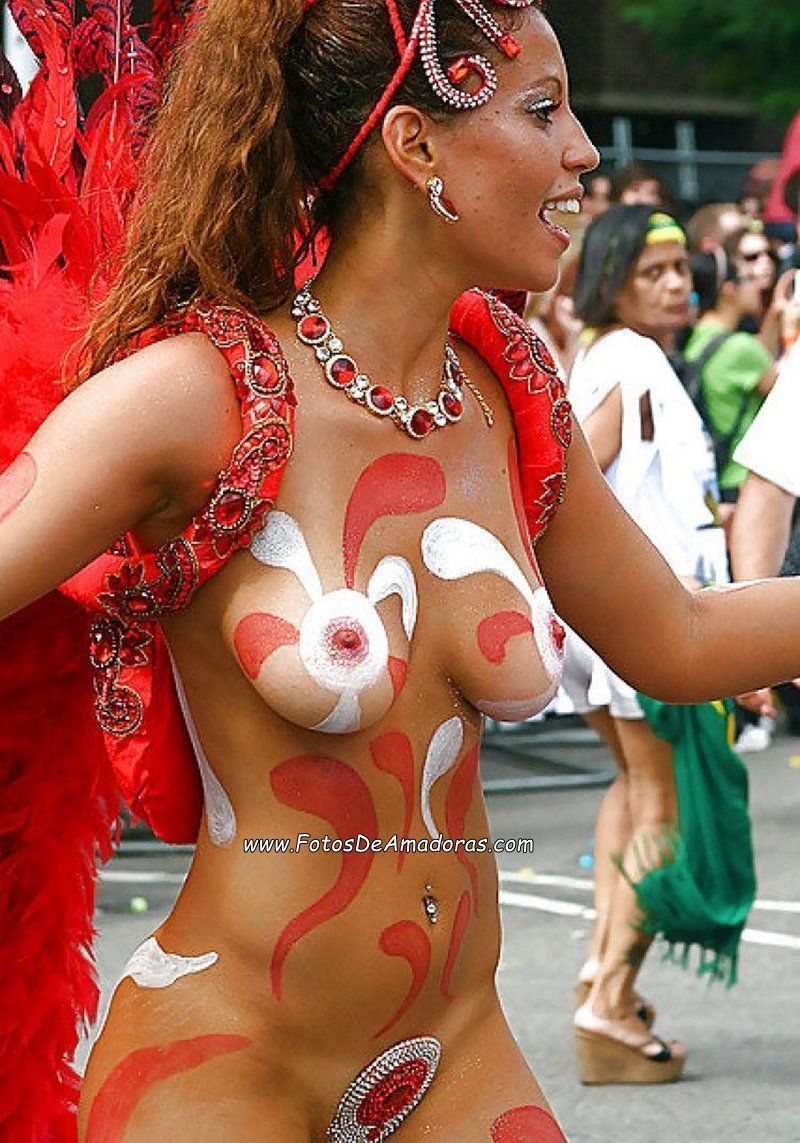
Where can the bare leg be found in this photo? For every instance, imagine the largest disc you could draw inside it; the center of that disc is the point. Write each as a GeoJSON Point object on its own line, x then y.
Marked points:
{"type": "Point", "coordinates": [611, 837]}
{"type": "Point", "coordinates": [651, 791]}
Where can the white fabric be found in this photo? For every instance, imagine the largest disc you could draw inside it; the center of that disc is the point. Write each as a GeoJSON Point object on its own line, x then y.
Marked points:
{"type": "Point", "coordinates": [771, 446]}
{"type": "Point", "coordinates": [661, 483]}
{"type": "Point", "coordinates": [589, 684]}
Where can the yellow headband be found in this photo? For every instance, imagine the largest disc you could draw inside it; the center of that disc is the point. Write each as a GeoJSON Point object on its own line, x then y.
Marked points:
{"type": "Point", "coordinates": [664, 228]}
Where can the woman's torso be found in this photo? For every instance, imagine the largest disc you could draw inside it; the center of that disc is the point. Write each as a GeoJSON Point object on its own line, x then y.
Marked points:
{"type": "Point", "coordinates": [332, 955]}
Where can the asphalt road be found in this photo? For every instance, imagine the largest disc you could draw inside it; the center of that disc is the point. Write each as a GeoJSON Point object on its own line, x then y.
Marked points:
{"type": "Point", "coordinates": [743, 1077]}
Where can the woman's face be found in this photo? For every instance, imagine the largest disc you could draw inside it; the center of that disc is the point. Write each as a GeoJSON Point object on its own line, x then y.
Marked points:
{"type": "Point", "coordinates": [504, 163]}
{"type": "Point", "coordinates": [754, 263]}
{"type": "Point", "coordinates": [655, 298]}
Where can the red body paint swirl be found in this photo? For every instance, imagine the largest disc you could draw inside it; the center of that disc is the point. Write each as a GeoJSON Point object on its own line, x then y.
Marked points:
{"type": "Point", "coordinates": [393, 754]}
{"type": "Point", "coordinates": [459, 799]}
{"type": "Point", "coordinates": [15, 483]}
{"type": "Point", "coordinates": [527, 1125]}
{"type": "Point", "coordinates": [460, 922]}
{"type": "Point", "coordinates": [331, 790]}
{"type": "Point", "coordinates": [495, 631]}
{"type": "Point", "coordinates": [410, 941]}
{"type": "Point", "coordinates": [257, 636]}
{"type": "Point", "coordinates": [133, 1077]}
{"type": "Point", "coordinates": [394, 485]}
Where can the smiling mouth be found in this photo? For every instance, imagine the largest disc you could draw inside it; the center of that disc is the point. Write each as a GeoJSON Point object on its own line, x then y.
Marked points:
{"type": "Point", "coordinates": [567, 206]}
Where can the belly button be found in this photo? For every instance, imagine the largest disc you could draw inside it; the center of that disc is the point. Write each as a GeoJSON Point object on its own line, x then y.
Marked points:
{"type": "Point", "coordinates": [430, 905]}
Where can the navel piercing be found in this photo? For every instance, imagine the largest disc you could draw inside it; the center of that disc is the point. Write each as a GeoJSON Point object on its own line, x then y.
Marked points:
{"type": "Point", "coordinates": [430, 905]}
{"type": "Point", "coordinates": [439, 202]}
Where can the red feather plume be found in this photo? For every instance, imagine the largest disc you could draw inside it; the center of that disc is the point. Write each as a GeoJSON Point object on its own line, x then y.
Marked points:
{"type": "Point", "coordinates": [66, 184]}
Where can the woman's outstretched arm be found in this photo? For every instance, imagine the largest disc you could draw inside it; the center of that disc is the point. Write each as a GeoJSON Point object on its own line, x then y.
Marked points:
{"type": "Point", "coordinates": [136, 441]}
{"type": "Point", "coordinates": [609, 583]}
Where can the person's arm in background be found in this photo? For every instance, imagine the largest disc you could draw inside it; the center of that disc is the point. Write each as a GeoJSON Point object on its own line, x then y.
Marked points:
{"type": "Point", "coordinates": [782, 312]}
{"type": "Point", "coordinates": [761, 528]}
{"type": "Point", "coordinates": [760, 534]}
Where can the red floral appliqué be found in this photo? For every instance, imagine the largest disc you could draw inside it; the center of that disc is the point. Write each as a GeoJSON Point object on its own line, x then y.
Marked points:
{"type": "Point", "coordinates": [145, 586]}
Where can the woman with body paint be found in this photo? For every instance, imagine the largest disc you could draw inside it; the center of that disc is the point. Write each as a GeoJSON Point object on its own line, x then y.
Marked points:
{"type": "Point", "coordinates": [328, 501]}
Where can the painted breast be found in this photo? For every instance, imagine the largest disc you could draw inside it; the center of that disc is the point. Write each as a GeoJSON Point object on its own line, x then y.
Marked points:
{"type": "Point", "coordinates": [335, 661]}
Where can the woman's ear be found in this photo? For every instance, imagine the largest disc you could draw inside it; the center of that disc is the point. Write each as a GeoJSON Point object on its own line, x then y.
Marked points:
{"type": "Point", "coordinates": [408, 139]}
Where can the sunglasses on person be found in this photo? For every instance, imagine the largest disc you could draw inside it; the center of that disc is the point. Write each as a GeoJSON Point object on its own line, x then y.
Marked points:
{"type": "Point", "coordinates": [754, 255]}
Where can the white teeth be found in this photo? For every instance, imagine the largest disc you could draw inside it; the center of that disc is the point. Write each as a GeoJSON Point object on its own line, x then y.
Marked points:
{"type": "Point", "coordinates": [565, 206]}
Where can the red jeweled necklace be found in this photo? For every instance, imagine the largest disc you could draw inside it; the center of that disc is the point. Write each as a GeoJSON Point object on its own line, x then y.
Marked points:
{"type": "Point", "coordinates": [341, 371]}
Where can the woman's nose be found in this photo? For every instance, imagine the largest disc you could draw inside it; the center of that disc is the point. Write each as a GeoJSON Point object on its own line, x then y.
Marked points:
{"type": "Point", "coordinates": [580, 154]}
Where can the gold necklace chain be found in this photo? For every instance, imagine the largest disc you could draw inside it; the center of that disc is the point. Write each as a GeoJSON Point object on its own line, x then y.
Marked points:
{"type": "Point", "coordinates": [486, 408]}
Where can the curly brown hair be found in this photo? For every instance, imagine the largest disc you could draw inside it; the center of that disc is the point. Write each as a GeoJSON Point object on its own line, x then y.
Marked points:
{"type": "Point", "coordinates": [261, 102]}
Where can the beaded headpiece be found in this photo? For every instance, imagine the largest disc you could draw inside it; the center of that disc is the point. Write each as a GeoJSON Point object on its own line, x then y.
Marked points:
{"type": "Point", "coordinates": [447, 83]}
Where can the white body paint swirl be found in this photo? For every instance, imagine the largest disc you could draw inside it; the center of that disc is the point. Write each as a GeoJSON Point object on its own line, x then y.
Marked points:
{"type": "Point", "coordinates": [151, 967]}
{"type": "Point", "coordinates": [453, 549]}
{"type": "Point", "coordinates": [281, 544]}
{"type": "Point", "coordinates": [394, 576]}
{"type": "Point", "coordinates": [220, 815]}
{"type": "Point", "coordinates": [443, 750]}
{"type": "Point", "coordinates": [343, 643]}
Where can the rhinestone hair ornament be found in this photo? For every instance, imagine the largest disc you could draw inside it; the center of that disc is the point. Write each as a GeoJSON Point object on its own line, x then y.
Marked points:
{"type": "Point", "coordinates": [447, 84]}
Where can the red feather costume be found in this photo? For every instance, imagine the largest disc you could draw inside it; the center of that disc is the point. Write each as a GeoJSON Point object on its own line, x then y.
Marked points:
{"type": "Point", "coordinates": [65, 186]}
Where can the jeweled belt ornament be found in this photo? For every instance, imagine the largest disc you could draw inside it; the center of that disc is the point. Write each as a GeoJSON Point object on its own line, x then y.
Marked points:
{"type": "Point", "coordinates": [342, 372]}
{"type": "Point", "coordinates": [385, 1093]}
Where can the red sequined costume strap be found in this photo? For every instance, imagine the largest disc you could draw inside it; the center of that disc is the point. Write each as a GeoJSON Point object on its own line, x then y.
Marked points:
{"type": "Point", "coordinates": [536, 395]}
{"type": "Point", "coordinates": [130, 590]}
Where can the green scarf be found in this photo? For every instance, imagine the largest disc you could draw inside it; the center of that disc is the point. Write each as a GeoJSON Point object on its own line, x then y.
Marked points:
{"type": "Point", "coordinates": [704, 890]}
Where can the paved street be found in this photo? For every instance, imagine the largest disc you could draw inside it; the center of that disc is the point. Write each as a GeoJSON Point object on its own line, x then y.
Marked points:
{"type": "Point", "coordinates": [743, 1077]}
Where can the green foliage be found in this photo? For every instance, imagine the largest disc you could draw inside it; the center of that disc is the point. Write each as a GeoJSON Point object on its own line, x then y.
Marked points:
{"type": "Point", "coordinates": [751, 48]}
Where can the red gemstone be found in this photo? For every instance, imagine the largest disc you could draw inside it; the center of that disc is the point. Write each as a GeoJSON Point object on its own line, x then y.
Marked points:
{"type": "Point", "coordinates": [229, 508]}
{"type": "Point", "coordinates": [517, 350]}
{"type": "Point", "coordinates": [139, 603]}
{"type": "Point", "coordinates": [523, 368]}
{"type": "Point", "coordinates": [313, 328]}
{"type": "Point", "coordinates": [509, 46]}
{"type": "Point", "coordinates": [265, 373]}
{"type": "Point", "coordinates": [104, 646]}
{"type": "Point", "coordinates": [421, 423]}
{"type": "Point", "coordinates": [381, 398]}
{"type": "Point", "coordinates": [452, 406]}
{"type": "Point", "coordinates": [459, 70]}
{"type": "Point", "coordinates": [342, 371]}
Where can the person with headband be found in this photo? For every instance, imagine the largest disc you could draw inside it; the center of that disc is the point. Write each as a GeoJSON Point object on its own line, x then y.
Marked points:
{"type": "Point", "coordinates": [315, 454]}
{"type": "Point", "coordinates": [660, 866]}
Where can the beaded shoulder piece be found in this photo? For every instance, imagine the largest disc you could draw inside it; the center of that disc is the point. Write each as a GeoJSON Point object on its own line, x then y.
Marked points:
{"type": "Point", "coordinates": [129, 590]}
{"type": "Point", "coordinates": [536, 395]}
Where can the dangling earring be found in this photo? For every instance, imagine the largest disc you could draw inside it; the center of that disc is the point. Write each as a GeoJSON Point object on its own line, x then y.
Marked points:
{"type": "Point", "coordinates": [439, 203]}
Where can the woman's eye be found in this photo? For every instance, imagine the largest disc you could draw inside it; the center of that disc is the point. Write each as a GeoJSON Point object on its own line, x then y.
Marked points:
{"type": "Point", "coordinates": [543, 109]}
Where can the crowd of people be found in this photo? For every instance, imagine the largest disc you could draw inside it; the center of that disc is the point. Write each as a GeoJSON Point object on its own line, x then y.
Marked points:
{"type": "Point", "coordinates": [680, 344]}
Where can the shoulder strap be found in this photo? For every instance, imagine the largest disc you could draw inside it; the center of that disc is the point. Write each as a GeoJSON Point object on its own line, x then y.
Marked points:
{"type": "Point", "coordinates": [536, 395]}
{"type": "Point", "coordinates": [723, 442]}
{"type": "Point", "coordinates": [693, 373]}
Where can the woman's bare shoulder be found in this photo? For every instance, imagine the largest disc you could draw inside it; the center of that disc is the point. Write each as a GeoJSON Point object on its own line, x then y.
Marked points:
{"type": "Point", "coordinates": [181, 404]}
